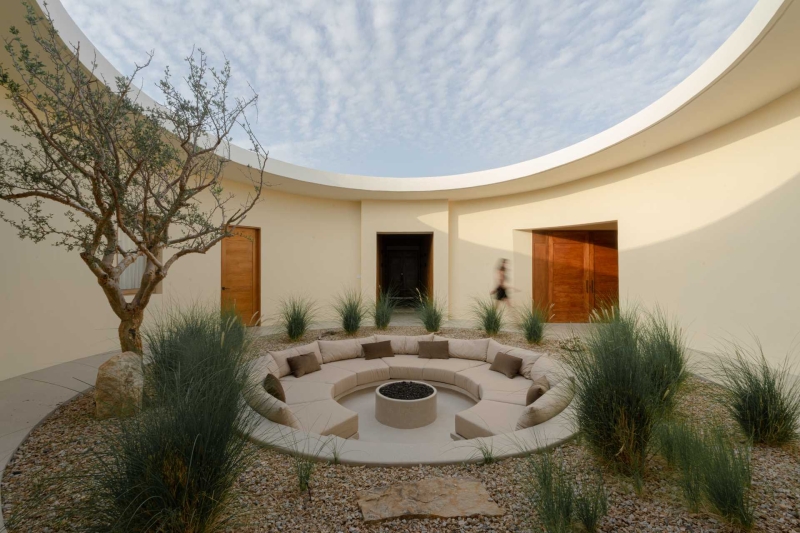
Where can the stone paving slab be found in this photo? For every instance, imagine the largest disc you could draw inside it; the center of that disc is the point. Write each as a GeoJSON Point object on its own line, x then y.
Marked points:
{"type": "Point", "coordinates": [429, 498]}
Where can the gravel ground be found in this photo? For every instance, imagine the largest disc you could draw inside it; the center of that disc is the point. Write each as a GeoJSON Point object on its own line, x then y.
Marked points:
{"type": "Point", "coordinates": [269, 500]}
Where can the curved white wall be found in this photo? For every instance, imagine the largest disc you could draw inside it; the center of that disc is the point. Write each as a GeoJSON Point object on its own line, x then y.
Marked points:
{"type": "Point", "coordinates": [707, 228]}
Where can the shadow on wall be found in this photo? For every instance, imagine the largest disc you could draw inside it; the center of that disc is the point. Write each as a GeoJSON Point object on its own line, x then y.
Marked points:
{"type": "Point", "coordinates": [734, 277]}
{"type": "Point", "coordinates": [780, 111]}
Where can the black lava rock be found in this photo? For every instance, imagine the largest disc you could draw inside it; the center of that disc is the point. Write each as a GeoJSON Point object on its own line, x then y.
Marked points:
{"type": "Point", "coordinates": [406, 390]}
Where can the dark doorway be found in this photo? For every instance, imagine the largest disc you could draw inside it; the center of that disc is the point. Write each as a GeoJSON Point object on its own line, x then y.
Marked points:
{"type": "Point", "coordinates": [405, 265]}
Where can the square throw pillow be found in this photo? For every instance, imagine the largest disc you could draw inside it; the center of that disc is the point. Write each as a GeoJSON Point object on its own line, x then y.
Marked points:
{"type": "Point", "coordinates": [506, 364]}
{"type": "Point", "coordinates": [434, 349]}
{"type": "Point", "coordinates": [377, 350]}
{"type": "Point", "coordinates": [537, 390]}
{"type": "Point", "coordinates": [274, 388]}
{"type": "Point", "coordinates": [303, 364]}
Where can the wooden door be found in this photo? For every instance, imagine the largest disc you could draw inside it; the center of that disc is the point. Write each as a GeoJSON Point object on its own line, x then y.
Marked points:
{"type": "Point", "coordinates": [606, 267]}
{"type": "Point", "coordinates": [570, 271]}
{"type": "Point", "coordinates": [574, 272]}
{"type": "Point", "coordinates": [241, 280]}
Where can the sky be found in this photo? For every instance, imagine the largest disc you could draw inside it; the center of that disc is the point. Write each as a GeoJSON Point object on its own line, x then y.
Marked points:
{"type": "Point", "coordinates": [422, 87]}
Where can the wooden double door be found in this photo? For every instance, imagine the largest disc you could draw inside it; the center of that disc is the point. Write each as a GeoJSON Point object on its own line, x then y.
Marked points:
{"type": "Point", "coordinates": [575, 272]}
{"type": "Point", "coordinates": [241, 279]}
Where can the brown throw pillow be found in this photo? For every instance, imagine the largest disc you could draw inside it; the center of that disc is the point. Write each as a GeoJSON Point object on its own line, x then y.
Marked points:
{"type": "Point", "coordinates": [274, 388]}
{"type": "Point", "coordinates": [303, 364]}
{"type": "Point", "coordinates": [434, 349]}
{"type": "Point", "coordinates": [506, 364]}
{"type": "Point", "coordinates": [377, 350]}
{"type": "Point", "coordinates": [537, 390]}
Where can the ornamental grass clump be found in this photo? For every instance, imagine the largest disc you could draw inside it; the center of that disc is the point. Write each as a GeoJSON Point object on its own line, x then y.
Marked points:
{"type": "Point", "coordinates": [628, 370]}
{"type": "Point", "coordinates": [683, 449]}
{"type": "Point", "coordinates": [173, 467]}
{"type": "Point", "coordinates": [352, 310]}
{"type": "Point", "coordinates": [764, 400]}
{"type": "Point", "coordinates": [714, 471]}
{"type": "Point", "coordinates": [488, 315]}
{"type": "Point", "coordinates": [532, 320]}
{"type": "Point", "coordinates": [727, 479]}
{"type": "Point", "coordinates": [384, 308]}
{"type": "Point", "coordinates": [560, 505]}
{"type": "Point", "coordinates": [296, 314]}
{"type": "Point", "coordinates": [430, 311]}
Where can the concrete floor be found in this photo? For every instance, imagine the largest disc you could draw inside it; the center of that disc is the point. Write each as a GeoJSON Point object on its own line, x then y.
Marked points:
{"type": "Point", "coordinates": [448, 403]}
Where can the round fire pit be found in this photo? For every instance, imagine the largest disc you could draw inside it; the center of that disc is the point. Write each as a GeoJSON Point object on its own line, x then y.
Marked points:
{"type": "Point", "coordinates": [405, 404]}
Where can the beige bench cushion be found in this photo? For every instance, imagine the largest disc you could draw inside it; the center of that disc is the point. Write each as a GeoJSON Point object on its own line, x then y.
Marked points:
{"type": "Point", "coordinates": [549, 368]}
{"type": "Point", "coordinates": [326, 417]}
{"type": "Point", "coordinates": [405, 366]}
{"type": "Point", "coordinates": [300, 391]}
{"type": "Point", "coordinates": [468, 379]}
{"type": "Point", "coordinates": [282, 356]}
{"type": "Point", "coordinates": [529, 357]}
{"type": "Point", "coordinates": [404, 344]}
{"type": "Point", "coordinates": [412, 343]}
{"type": "Point", "coordinates": [366, 371]}
{"type": "Point", "coordinates": [341, 379]}
{"type": "Point", "coordinates": [473, 349]}
{"type": "Point", "coordinates": [342, 349]}
{"type": "Point", "coordinates": [445, 370]}
{"type": "Point", "coordinates": [487, 418]}
{"type": "Point", "coordinates": [496, 386]}
{"type": "Point", "coordinates": [398, 342]}
{"type": "Point", "coordinates": [549, 405]}
{"type": "Point", "coordinates": [264, 403]}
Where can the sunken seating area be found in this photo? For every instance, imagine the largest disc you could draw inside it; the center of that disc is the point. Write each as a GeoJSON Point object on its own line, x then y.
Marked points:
{"type": "Point", "coordinates": [514, 388]}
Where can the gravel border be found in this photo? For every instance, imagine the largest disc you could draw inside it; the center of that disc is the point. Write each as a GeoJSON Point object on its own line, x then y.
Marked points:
{"type": "Point", "coordinates": [269, 500]}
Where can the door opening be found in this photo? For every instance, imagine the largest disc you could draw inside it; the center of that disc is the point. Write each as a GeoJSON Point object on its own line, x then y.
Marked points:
{"type": "Point", "coordinates": [575, 272]}
{"type": "Point", "coordinates": [405, 265]}
{"type": "Point", "coordinates": [241, 274]}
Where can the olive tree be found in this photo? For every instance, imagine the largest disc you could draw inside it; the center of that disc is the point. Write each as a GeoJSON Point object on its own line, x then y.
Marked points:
{"type": "Point", "coordinates": [95, 164]}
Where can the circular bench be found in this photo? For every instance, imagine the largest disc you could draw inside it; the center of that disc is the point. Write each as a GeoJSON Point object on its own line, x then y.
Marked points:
{"type": "Point", "coordinates": [311, 412]}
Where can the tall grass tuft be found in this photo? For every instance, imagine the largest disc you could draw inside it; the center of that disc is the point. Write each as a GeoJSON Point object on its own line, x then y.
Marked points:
{"type": "Point", "coordinates": [173, 467]}
{"type": "Point", "coordinates": [559, 504]}
{"type": "Point", "coordinates": [727, 479]}
{"type": "Point", "coordinates": [430, 311]}
{"type": "Point", "coordinates": [713, 470]}
{"type": "Point", "coordinates": [591, 505]}
{"type": "Point", "coordinates": [488, 315]}
{"type": "Point", "coordinates": [352, 310]}
{"type": "Point", "coordinates": [683, 449]}
{"type": "Point", "coordinates": [765, 401]}
{"type": "Point", "coordinates": [627, 372]}
{"type": "Point", "coordinates": [550, 492]}
{"type": "Point", "coordinates": [296, 314]}
{"type": "Point", "coordinates": [532, 321]}
{"type": "Point", "coordinates": [384, 307]}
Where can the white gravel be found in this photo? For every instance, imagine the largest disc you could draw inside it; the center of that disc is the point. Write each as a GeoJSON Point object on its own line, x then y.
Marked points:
{"type": "Point", "coordinates": [269, 500]}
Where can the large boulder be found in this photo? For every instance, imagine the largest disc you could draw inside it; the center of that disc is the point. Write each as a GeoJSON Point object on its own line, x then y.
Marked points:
{"type": "Point", "coordinates": [118, 390]}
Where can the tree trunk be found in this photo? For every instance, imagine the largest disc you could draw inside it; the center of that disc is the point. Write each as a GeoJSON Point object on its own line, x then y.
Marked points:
{"type": "Point", "coordinates": [130, 338]}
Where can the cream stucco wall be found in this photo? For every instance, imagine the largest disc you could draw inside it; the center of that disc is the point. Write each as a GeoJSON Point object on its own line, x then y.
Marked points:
{"type": "Point", "coordinates": [710, 230]}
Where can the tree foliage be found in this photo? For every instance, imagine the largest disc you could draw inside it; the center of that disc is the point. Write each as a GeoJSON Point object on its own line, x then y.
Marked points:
{"type": "Point", "coordinates": [95, 164]}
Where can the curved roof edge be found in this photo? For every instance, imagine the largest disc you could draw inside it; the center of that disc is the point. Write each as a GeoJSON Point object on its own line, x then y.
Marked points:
{"type": "Point", "coordinates": [754, 66]}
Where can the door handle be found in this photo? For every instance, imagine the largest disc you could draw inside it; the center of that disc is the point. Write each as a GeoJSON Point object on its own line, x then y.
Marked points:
{"type": "Point", "coordinates": [587, 285]}
{"type": "Point", "coordinates": [224, 288]}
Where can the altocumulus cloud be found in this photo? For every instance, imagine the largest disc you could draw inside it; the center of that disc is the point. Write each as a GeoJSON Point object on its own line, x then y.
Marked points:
{"type": "Point", "coordinates": [424, 87]}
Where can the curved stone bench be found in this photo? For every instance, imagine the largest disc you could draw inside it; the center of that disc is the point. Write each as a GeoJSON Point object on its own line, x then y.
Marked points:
{"type": "Point", "coordinates": [311, 412]}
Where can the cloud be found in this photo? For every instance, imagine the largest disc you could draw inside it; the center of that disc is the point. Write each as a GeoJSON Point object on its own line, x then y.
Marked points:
{"type": "Point", "coordinates": [423, 87]}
